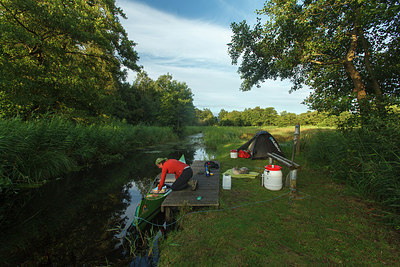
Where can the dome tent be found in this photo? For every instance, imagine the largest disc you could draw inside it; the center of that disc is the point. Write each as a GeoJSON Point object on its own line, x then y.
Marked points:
{"type": "Point", "coordinates": [261, 144]}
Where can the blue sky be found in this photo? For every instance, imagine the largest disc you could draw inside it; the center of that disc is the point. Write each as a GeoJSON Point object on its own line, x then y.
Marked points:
{"type": "Point", "coordinates": [188, 39]}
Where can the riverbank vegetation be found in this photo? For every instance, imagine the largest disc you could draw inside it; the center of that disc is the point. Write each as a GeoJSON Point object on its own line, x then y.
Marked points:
{"type": "Point", "coordinates": [36, 151]}
{"type": "Point", "coordinates": [346, 210]}
{"type": "Point", "coordinates": [66, 104]}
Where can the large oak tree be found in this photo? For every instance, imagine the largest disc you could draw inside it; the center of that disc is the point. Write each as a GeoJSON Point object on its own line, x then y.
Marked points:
{"type": "Point", "coordinates": [347, 51]}
{"type": "Point", "coordinates": [61, 56]}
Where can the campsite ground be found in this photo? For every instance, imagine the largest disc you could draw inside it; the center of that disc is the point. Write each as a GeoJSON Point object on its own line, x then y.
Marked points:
{"type": "Point", "coordinates": [254, 226]}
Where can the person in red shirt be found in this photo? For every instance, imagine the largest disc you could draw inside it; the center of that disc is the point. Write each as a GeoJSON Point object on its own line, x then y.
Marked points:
{"type": "Point", "coordinates": [183, 174]}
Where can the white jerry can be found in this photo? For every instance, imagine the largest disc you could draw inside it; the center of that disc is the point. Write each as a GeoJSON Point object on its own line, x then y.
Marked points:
{"type": "Point", "coordinates": [226, 182]}
{"type": "Point", "coordinates": [273, 177]}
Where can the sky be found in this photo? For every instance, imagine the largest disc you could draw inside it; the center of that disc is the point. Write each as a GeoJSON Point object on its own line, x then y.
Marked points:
{"type": "Point", "coordinates": [188, 39]}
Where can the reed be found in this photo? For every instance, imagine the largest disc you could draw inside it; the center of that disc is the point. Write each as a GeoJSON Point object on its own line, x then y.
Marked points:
{"type": "Point", "coordinates": [367, 161]}
{"type": "Point", "coordinates": [36, 151]}
{"type": "Point", "coordinates": [215, 135]}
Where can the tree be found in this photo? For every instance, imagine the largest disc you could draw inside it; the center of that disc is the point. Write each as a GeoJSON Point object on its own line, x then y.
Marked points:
{"type": "Point", "coordinates": [205, 117]}
{"type": "Point", "coordinates": [176, 103]}
{"type": "Point", "coordinates": [340, 48]}
{"type": "Point", "coordinates": [258, 116]}
{"type": "Point", "coordinates": [138, 101]}
{"type": "Point", "coordinates": [62, 56]}
{"type": "Point", "coordinates": [287, 119]}
{"type": "Point", "coordinates": [222, 115]}
{"type": "Point", "coordinates": [233, 118]}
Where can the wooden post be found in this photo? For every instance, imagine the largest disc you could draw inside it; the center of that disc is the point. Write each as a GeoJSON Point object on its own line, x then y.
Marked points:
{"type": "Point", "coordinates": [293, 178]}
{"type": "Point", "coordinates": [168, 214]}
{"type": "Point", "coordinates": [297, 137]}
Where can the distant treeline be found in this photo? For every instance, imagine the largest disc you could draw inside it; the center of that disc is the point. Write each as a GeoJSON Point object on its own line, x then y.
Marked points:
{"type": "Point", "coordinates": [269, 117]}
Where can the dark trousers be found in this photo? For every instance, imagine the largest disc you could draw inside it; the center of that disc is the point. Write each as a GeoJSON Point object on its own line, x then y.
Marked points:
{"type": "Point", "coordinates": [182, 181]}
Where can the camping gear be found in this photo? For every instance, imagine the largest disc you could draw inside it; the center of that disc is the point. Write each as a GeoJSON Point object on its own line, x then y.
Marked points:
{"type": "Point", "coordinates": [211, 165]}
{"type": "Point", "coordinates": [272, 177]}
{"type": "Point", "coordinates": [234, 154]}
{"type": "Point", "coordinates": [208, 165]}
{"type": "Point", "coordinates": [261, 144]}
{"type": "Point", "coordinates": [242, 170]}
{"type": "Point", "coordinates": [150, 205]}
{"type": "Point", "coordinates": [250, 175]}
{"type": "Point", "coordinates": [244, 154]}
{"type": "Point", "coordinates": [226, 181]}
{"type": "Point", "coordinates": [207, 171]}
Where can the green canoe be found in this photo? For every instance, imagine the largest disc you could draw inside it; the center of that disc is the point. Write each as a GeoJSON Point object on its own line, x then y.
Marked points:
{"type": "Point", "coordinates": [150, 205]}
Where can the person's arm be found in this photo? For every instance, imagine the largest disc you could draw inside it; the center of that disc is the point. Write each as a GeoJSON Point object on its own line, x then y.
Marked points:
{"type": "Point", "coordinates": [163, 175]}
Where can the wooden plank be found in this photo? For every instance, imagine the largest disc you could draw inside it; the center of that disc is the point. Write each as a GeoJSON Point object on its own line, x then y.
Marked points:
{"type": "Point", "coordinates": [288, 163]}
{"type": "Point", "coordinates": [207, 190]}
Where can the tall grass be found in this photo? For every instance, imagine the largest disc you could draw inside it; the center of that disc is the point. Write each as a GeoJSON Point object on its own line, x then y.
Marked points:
{"type": "Point", "coordinates": [217, 135]}
{"type": "Point", "coordinates": [32, 152]}
{"type": "Point", "coordinates": [366, 159]}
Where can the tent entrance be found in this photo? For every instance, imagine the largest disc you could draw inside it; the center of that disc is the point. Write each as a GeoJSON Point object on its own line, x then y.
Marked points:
{"type": "Point", "coordinates": [261, 144]}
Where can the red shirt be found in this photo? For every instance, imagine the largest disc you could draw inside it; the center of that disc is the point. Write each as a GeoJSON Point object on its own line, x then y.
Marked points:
{"type": "Point", "coordinates": [171, 166]}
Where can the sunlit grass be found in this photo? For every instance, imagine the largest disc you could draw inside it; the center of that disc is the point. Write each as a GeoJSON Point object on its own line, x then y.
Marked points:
{"type": "Point", "coordinates": [327, 225]}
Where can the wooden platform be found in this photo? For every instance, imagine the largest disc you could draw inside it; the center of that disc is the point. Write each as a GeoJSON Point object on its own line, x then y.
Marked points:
{"type": "Point", "coordinates": [207, 189]}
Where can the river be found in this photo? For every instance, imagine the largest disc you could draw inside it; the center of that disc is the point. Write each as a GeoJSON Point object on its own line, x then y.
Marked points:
{"type": "Point", "coordinates": [82, 218]}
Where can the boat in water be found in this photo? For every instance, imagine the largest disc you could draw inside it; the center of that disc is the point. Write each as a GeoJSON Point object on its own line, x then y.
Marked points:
{"type": "Point", "coordinates": [150, 205]}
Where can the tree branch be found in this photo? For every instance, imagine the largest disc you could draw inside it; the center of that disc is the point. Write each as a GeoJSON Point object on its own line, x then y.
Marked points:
{"type": "Point", "coordinates": [18, 21]}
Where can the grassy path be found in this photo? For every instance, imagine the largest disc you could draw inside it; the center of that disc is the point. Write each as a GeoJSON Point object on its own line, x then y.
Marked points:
{"type": "Point", "coordinates": [328, 226]}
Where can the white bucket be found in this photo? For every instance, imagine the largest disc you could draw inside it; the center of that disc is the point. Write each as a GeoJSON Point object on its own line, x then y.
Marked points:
{"type": "Point", "coordinates": [273, 177]}
{"type": "Point", "coordinates": [226, 182]}
{"type": "Point", "coordinates": [234, 154]}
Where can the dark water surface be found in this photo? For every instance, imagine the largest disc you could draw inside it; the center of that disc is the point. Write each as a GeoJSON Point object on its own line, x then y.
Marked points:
{"type": "Point", "coordinates": [81, 219]}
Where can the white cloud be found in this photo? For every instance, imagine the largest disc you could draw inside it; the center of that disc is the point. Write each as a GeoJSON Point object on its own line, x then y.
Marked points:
{"type": "Point", "coordinates": [164, 35]}
{"type": "Point", "coordinates": [196, 52]}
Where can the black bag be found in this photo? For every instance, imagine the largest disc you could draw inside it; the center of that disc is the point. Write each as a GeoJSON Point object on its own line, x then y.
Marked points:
{"type": "Point", "coordinates": [211, 165]}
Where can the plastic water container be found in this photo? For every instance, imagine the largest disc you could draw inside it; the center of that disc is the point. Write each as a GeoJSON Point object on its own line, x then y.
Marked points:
{"type": "Point", "coordinates": [234, 154]}
{"type": "Point", "coordinates": [226, 182]}
{"type": "Point", "coordinates": [273, 177]}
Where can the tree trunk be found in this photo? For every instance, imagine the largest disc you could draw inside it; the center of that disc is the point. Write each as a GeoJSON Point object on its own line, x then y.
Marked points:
{"type": "Point", "coordinates": [368, 65]}
{"type": "Point", "coordinates": [359, 87]}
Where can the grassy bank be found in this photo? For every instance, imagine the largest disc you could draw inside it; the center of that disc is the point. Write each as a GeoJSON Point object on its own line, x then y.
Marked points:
{"type": "Point", "coordinates": [329, 224]}
{"type": "Point", "coordinates": [33, 152]}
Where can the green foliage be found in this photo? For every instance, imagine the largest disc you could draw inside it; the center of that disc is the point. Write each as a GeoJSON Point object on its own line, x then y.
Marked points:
{"type": "Point", "coordinates": [61, 56]}
{"type": "Point", "coordinates": [253, 226]}
{"type": "Point", "coordinates": [175, 103]}
{"type": "Point", "coordinates": [164, 102]}
{"type": "Point", "coordinates": [205, 117]}
{"type": "Point", "coordinates": [217, 135]}
{"type": "Point", "coordinates": [269, 117]}
{"type": "Point", "coordinates": [258, 116]}
{"type": "Point", "coordinates": [366, 158]}
{"type": "Point", "coordinates": [346, 51]}
{"type": "Point", "coordinates": [138, 102]}
{"type": "Point", "coordinates": [32, 152]}
{"type": "Point", "coordinates": [66, 58]}
{"type": "Point", "coordinates": [232, 118]}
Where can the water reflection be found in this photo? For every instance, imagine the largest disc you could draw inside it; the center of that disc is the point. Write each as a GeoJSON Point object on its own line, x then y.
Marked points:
{"type": "Point", "coordinates": [80, 219]}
